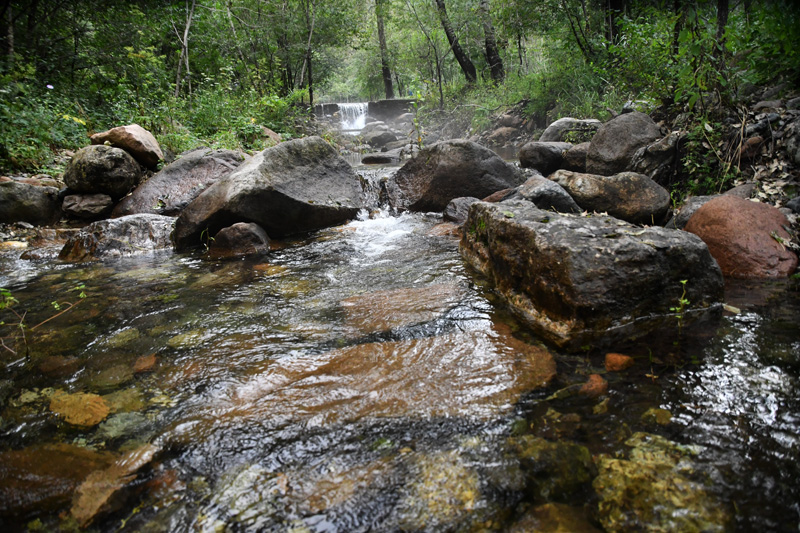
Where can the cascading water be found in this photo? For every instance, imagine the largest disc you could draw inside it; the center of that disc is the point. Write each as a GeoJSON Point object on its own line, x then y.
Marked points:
{"type": "Point", "coordinates": [353, 116]}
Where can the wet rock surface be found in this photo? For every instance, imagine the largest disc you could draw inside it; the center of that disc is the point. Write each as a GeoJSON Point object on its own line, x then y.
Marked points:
{"type": "Point", "coordinates": [653, 490]}
{"type": "Point", "coordinates": [745, 237]}
{"type": "Point", "coordinates": [558, 131]}
{"type": "Point", "coordinates": [119, 237]}
{"type": "Point", "coordinates": [239, 239]}
{"type": "Point", "coordinates": [294, 187]}
{"type": "Point", "coordinates": [585, 277]}
{"type": "Point", "coordinates": [447, 170]}
{"type": "Point", "coordinates": [173, 187]}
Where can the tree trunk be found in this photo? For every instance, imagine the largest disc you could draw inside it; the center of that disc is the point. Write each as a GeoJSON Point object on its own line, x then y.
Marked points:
{"type": "Point", "coordinates": [10, 38]}
{"type": "Point", "coordinates": [463, 60]}
{"type": "Point", "coordinates": [236, 42]}
{"type": "Point", "coordinates": [185, 49]}
{"type": "Point", "coordinates": [614, 10]}
{"type": "Point", "coordinates": [492, 54]}
{"type": "Point", "coordinates": [387, 73]}
{"type": "Point", "coordinates": [719, 49]}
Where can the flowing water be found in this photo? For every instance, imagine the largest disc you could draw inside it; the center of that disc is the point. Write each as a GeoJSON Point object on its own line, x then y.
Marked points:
{"type": "Point", "coordinates": [359, 379]}
{"type": "Point", "coordinates": [353, 117]}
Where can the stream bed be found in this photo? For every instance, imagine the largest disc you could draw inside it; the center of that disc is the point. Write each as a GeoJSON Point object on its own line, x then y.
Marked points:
{"type": "Point", "coordinates": [361, 379]}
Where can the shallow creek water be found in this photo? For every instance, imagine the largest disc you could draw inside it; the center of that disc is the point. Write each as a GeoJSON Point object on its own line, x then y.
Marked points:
{"type": "Point", "coordinates": [361, 379]}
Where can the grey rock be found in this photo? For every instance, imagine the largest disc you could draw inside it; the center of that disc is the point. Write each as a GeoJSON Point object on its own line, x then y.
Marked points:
{"type": "Point", "coordinates": [546, 194]}
{"type": "Point", "coordinates": [558, 130]}
{"type": "Point", "coordinates": [545, 157]}
{"type": "Point", "coordinates": [616, 142]}
{"type": "Point", "coordinates": [575, 157]}
{"type": "Point", "coordinates": [119, 237]}
{"type": "Point", "coordinates": [240, 239]}
{"type": "Point", "coordinates": [578, 280]}
{"type": "Point", "coordinates": [102, 169]}
{"type": "Point", "coordinates": [20, 202]}
{"type": "Point", "coordinates": [659, 161]}
{"type": "Point", "coordinates": [377, 139]}
{"type": "Point", "coordinates": [87, 206]}
{"type": "Point", "coordinates": [792, 141]}
{"type": "Point", "coordinates": [294, 187]}
{"type": "Point", "coordinates": [171, 189]}
{"type": "Point", "coordinates": [794, 204]}
{"type": "Point", "coordinates": [630, 196]}
{"type": "Point", "coordinates": [689, 207]}
{"type": "Point", "coordinates": [447, 170]}
{"type": "Point", "coordinates": [458, 208]}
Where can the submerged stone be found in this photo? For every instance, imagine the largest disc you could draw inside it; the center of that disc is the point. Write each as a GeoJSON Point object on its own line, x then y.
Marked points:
{"type": "Point", "coordinates": [554, 518]}
{"type": "Point", "coordinates": [579, 280]}
{"type": "Point", "coordinates": [44, 477]}
{"type": "Point", "coordinates": [653, 490]}
{"type": "Point", "coordinates": [554, 470]}
{"type": "Point", "coordinates": [119, 237]}
{"type": "Point", "coordinates": [80, 409]}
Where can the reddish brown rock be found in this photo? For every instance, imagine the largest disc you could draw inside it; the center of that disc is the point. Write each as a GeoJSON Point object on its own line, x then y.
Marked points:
{"type": "Point", "coordinates": [499, 195]}
{"type": "Point", "coordinates": [743, 237]}
{"type": "Point", "coordinates": [135, 140]}
{"type": "Point", "coordinates": [595, 386]}
{"type": "Point", "coordinates": [617, 362]}
{"type": "Point", "coordinates": [144, 363]}
{"type": "Point", "coordinates": [44, 477]}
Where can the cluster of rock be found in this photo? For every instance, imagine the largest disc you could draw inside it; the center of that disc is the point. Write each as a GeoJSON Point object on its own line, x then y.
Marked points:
{"type": "Point", "coordinates": [582, 253]}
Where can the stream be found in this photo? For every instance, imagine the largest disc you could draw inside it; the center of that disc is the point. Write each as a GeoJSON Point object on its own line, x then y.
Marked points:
{"type": "Point", "coordinates": [362, 379]}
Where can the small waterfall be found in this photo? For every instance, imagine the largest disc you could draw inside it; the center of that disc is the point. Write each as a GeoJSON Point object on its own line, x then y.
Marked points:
{"type": "Point", "coordinates": [353, 116]}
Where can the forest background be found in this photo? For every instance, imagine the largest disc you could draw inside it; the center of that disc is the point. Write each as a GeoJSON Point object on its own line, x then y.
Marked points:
{"type": "Point", "coordinates": [214, 73]}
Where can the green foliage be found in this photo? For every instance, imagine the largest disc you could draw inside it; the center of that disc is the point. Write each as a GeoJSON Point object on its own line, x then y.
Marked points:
{"type": "Point", "coordinates": [708, 170]}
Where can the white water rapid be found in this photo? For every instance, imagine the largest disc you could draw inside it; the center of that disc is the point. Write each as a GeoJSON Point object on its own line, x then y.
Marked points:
{"type": "Point", "coordinates": [353, 117]}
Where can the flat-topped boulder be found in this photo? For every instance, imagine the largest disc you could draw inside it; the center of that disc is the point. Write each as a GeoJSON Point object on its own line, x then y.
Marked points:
{"type": "Point", "coordinates": [630, 196]}
{"type": "Point", "coordinates": [447, 170]}
{"type": "Point", "coordinates": [545, 157]}
{"type": "Point", "coordinates": [577, 279]}
{"type": "Point", "coordinates": [170, 190]}
{"type": "Point", "coordinates": [135, 140]}
{"type": "Point", "coordinates": [119, 237]}
{"type": "Point", "coordinates": [294, 187]}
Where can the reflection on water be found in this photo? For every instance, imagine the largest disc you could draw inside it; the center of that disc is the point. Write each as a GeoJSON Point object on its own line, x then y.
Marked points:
{"type": "Point", "coordinates": [358, 380]}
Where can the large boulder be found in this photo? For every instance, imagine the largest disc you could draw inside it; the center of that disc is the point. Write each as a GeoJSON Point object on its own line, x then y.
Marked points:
{"type": "Point", "coordinates": [294, 187]}
{"type": "Point", "coordinates": [579, 279]}
{"type": "Point", "coordinates": [558, 130]}
{"type": "Point", "coordinates": [119, 237]}
{"type": "Point", "coordinates": [627, 195]}
{"type": "Point", "coordinates": [177, 184]}
{"type": "Point", "coordinates": [447, 170]}
{"type": "Point", "coordinates": [546, 157]}
{"type": "Point", "coordinates": [615, 143]}
{"type": "Point", "coordinates": [545, 194]}
{"type": "Point", "coordinates": [20, 202]}
{"type": "Point", "coordinates": [135, 140]}
{"type": "Point", "coordinates": [745, 237]}
{"type": "Point", "coordinates": [102, 169]}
